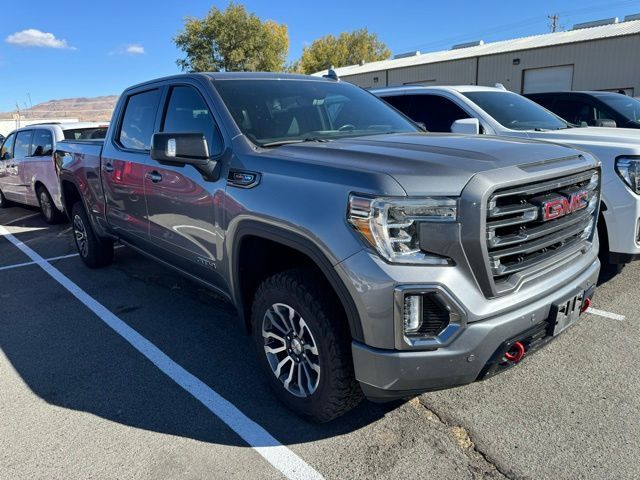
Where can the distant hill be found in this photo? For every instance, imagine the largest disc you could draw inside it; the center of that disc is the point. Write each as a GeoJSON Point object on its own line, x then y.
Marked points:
{"type": "Point", "coordinates": [85, 109]}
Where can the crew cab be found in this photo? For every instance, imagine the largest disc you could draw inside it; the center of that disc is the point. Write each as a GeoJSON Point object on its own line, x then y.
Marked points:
{"type": "Point", "coordinates": [27, 173]}
{"type": "Point", "coordinates": [596, 109]}
{"type": "Point", "coordinates": [365, 256]}
{"type": "Point", "coordinates": [495, 111]}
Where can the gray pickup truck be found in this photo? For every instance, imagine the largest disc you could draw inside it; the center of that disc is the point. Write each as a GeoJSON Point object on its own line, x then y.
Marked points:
{"type": "Point", "coordinates": [367, 257]}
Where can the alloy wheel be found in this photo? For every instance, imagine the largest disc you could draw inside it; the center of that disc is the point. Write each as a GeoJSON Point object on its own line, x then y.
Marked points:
{"type": "Point", "coordinates": [291, 350]}
{"type": "Point", "coordinates": [80, 234]}
{"type": "Point", "coordinates": [45, 205]}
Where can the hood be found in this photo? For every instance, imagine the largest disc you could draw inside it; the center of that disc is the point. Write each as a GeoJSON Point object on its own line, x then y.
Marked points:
{"type": "Point", "coordinates": [424, 163]}
{"type": "Point", "coordinates": [625, 140]}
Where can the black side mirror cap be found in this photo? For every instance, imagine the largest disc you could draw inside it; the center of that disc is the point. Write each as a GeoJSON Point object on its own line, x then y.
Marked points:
{"type": "Point", "coordinates": [182, 149]}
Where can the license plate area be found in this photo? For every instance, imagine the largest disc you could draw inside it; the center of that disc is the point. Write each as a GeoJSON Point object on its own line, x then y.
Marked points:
{"type": "Point", "coordinates": [565, 313]}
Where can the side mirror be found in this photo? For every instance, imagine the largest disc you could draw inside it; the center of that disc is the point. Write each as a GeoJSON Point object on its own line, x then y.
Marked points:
{"type": "Point", "coordinates": [422, 126]}
{"type": "Point", "coordinates": [605, 122]}
{"type": "Point", "coordinates": [470, 126]}
{"type": "Point", "coordinates": [182, 149]}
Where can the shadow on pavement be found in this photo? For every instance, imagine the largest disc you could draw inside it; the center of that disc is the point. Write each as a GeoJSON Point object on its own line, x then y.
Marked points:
{"type": "Point", "coordinates": [70, 358]}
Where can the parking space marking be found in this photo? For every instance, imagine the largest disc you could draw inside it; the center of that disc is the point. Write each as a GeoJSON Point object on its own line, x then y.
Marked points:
{"type": "Point", "coordinates": [278, 455]}
{"type": "Point", "coordinates": [23, 218]}
{"type": "Point", "coordinates": [25, 264]}
{"type": "Point", "coordinates": [602, 313]}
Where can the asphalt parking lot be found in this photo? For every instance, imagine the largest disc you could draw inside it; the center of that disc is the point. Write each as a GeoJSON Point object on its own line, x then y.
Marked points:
{"type": "Point", "coordinates": [134, 372]}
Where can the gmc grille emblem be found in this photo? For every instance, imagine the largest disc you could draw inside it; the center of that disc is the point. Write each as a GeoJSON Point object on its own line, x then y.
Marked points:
{"type": "Point", "coordinates": [560, 205]}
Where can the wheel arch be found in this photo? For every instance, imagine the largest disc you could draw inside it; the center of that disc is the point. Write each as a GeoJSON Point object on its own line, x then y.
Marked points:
{"type": "Point", "coordinates": [252, 233]}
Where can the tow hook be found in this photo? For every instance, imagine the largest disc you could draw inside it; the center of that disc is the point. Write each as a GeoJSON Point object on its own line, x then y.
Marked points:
{"type": "Point", "coordinates": [515, 353]}
{"type": "Point", "coordinates": [586, 304]}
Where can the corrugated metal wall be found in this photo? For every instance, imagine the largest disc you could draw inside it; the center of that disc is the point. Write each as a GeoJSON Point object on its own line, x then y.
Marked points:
{"type": "Point", "coordinates": [603, 64]}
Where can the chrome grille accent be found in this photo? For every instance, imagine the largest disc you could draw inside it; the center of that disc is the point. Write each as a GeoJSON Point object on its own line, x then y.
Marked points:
{"type": "Point", "coordinates": [518, 236]}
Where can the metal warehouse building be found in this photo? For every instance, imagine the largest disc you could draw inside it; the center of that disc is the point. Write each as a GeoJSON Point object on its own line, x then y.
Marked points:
{"type": "Point", "coordinates": [602, 55]}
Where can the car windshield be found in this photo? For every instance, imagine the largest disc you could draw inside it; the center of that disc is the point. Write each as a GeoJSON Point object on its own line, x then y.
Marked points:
{"type": "Point", "coordinates": [275, 112]}
{"type": "Point", "coordinates": [516, 112]}
{"type": "Point", "coordinates": [628, 107]}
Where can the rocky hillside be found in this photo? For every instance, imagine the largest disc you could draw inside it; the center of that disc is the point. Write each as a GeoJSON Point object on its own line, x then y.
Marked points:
{"type": "Point", "coordinates": [87, 109]}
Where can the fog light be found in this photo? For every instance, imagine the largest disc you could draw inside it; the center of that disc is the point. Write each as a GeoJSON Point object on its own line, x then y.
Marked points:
{"type": "Point", "coordinates": [412, 313]}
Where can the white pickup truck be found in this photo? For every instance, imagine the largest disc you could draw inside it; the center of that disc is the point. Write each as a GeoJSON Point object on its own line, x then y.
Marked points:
{"type": "Point", "coordinates": [495, 111]}
{"type": "Point", "coordinates": [27, 172]}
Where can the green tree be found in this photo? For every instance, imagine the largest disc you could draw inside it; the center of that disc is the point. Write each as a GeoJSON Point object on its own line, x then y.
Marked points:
{"type": "Point", "coordinates": [232, 40]}
{"type": "Point", "coordinates": [349, 48]}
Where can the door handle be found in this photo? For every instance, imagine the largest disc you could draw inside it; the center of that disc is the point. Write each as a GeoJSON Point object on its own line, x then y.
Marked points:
{"type": "Point", "coordinates": [154, 176]}
{"type": "Point", "coordinates": [108, 167]}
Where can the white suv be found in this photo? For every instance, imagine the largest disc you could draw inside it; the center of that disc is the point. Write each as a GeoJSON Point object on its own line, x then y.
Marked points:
{"type": "Point", "coordinates": [27, 172]}
{"type": "Point", "coordinates": [495, 111]}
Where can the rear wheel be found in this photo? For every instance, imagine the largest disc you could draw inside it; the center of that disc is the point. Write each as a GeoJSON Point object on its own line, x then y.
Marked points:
{"type": "Point", "coordinates": [49, 211]}
{"type": "Point", "coordinates": [304, 346]}
{"type": "Point", "coordinates": [94, 251]}
{"type": "Point", "coordinates": [4, 203]}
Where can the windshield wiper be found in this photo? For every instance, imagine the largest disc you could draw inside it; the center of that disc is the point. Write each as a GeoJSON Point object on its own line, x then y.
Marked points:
{"type": "Point", "coordinates": [297, 140]}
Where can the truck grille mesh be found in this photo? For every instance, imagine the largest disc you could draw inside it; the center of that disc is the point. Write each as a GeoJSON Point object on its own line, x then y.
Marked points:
{"type": "Point", "coordinates": [528, 224]}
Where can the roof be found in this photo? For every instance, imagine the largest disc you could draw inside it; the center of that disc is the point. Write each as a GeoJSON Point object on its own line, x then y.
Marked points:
{"type": "Point", "coordinates": [449, 88]}
{"type": "Point", "coordinates": [524, 43]}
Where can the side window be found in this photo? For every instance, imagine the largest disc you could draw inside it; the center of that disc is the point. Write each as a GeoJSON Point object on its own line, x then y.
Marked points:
{"type": "Point", "coordinates": [400, 102]}
{"type": "Point", "coordinates": [437, 113]}
{"type": "Point", "coordinates": [139, 119]}
{"type": "Point", "coordinates": [187, 112]}
{"type": "Point", "coordinates": [42, 143]}
{"type": "Point", "coordinates": [7, 147]}
{"type": "Point", "coordinates": [574, 111]}
{"type": "Point", "coordinates": [22, 147]}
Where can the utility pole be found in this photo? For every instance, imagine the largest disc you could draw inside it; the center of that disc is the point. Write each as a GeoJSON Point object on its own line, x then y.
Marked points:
{"type": "Point", "coordinates": [553, 24]}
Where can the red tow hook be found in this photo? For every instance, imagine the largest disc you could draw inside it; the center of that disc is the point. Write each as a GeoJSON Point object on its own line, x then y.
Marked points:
{"type": "Point", "coordinates": [585, 305]}
{"type": "Point", "coordinates": [516, 352]}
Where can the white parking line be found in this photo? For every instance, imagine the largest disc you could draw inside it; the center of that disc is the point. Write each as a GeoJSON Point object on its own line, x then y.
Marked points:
{"type": "Point", "coordinates": [23, 218]}
{"type": "Point", "coordinates": [602, 313]}
{"type": "Point", "coordinates": [16, 265]}
{"type": "Point", "coordinates": [291, 465]}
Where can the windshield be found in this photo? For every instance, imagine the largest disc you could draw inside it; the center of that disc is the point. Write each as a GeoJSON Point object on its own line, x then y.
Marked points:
{"type": "Point", "coordinates": [628, 107]}
{"type": "Point", "coordinates": [273, 112]}
{"type": "Point", "coordinates": [516, 112]}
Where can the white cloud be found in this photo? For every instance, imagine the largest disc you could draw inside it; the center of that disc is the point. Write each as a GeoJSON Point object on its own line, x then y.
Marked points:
{"type": "Point", "coordinates": [35, 38]}
{"type": "Point", "coordinates": [135, 49]}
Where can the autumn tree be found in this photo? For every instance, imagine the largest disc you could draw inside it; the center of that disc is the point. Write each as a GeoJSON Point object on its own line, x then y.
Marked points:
{"type": "Point", "coordinates": [232, 40]}
{"type": "Point", "coordinates": [348, 48]}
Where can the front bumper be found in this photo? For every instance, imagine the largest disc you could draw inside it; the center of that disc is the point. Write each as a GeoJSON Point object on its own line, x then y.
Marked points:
{"type": "Point", "coordinates": [622, 219]}
{"type": "Point", "coordinates": [390, 374]}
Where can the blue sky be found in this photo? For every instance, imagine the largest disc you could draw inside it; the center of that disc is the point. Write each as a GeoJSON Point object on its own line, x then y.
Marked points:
{"type": "Point", "coordinates": [102, 47]}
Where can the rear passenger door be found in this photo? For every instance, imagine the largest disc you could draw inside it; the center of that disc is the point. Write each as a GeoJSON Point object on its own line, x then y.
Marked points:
{"type": "Point", "coordinates": [39, 167]}
{"type": "Point", "coordinates": [124, 159]}
{"type": "Point", "coordinates": [183, 206]}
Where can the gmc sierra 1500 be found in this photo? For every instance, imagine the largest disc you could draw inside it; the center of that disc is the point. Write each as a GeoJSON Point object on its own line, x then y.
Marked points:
{"type": "Point", "coordinates": [364, 255]}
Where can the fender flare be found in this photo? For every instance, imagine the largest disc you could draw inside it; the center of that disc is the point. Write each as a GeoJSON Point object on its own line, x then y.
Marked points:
{"type": "Point", "coordinates": [303, 245]}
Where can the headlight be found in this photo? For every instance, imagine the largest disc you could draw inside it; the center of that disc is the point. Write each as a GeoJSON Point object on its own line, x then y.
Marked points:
{"type": "Point", "coordinates": [629, 170]}
{"type": "Point", "coordinates": [391, 225]}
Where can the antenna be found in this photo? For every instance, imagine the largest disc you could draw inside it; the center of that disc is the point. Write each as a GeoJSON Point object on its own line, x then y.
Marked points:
{"type": "Point", "coordinates": [553, 22]}
{"type": "Point", "coordinates": [332, 75]}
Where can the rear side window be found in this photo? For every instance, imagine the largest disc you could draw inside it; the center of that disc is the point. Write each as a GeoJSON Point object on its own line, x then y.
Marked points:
{"type": "Point", "coordinates": [138, 120]}
{"type": "Point", "coordinates": [42, 143]}
{"type": "Point", "coordinates": [97, 133]}
{"type": "Point", "coordinates": [187, 112]}
{"type": "Point", "coordinates": [7, 148]}
{"type": "Point", "coordinates": [22, 147]}
{"type": "Point", "coordinates": [575, 111]}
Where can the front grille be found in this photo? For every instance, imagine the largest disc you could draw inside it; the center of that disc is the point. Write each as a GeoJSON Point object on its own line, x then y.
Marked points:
{"type": "Point", "coordinates": [521, 231]}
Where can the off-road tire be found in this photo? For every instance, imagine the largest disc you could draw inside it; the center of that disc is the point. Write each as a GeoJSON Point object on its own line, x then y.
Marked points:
{"type": "Point", "coordinates": [96, 252]}
{"type": "Point", "coordinates": [337, 391]}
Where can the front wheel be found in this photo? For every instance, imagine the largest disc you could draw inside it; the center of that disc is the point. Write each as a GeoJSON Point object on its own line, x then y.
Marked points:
{"type": "Point", "coordinates": [49, 211]}
{"type": "Point", "coordinates": [94, 251]}
{"type": "Point", "coordinates": [304, 347]}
